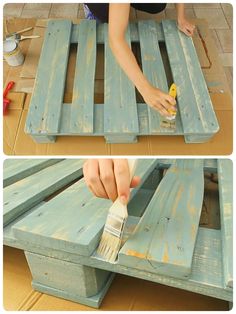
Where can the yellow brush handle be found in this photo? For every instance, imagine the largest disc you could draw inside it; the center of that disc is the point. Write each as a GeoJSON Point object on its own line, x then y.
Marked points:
{"type": "Point", "coordinates": [173, 93]}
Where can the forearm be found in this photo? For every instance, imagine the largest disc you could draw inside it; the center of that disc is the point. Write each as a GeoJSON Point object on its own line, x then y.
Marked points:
{"type": "Point", "coordinates": [128, 63]}
{"type": "Point", "coordinates": [180, 11]}
{"type": "Point", "coordinates": [118, 22]}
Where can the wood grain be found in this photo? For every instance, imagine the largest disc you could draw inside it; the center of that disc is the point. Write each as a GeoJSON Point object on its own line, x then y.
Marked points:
{"type": "Point", "coordinates": [22, 195]}
{"type": "Point", "coordinates": [14, 171]}
{"type": "Point", "coordinates": [164, 239]}
{"type": "Point", "coordinates": [120, 108]}
{"type": "Point", "coordinates": [225, 177]}
{"type": "Point", "coordinates": [46, 102]}
{"type": "Point", "coordinates": [195, 105]}
{"type": "Point", "coordinates": [82, 108]}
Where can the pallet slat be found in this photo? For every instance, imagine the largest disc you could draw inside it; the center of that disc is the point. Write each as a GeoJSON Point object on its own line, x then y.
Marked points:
{"type": "Point", "coordinates": [24, 194]}
{"type": "Point", "coordinates": [14, 171]}
{"type": "Point", "coordinates": [225, 177]}
{"type": "Point", "coordinates": [120, 101]}
{"type": "Point", "coordinates": [195, 105]}
{"type": "Point", "coordinates": [153, 67]}
{"type": "Point", "coordinates": [164, 239]}
{"type": "Point", "coordinates": [82, 107]}
{"type": "Point", "coordinates": [79, 226]}
{"type": "Point", "coordinates": [46, 104]}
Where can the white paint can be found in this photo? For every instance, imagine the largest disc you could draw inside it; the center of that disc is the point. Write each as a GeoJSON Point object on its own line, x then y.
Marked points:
{"type": "Point", "coordinates": [12, 53]}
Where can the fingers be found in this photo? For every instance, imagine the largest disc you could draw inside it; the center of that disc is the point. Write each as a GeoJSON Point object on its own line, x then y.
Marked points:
{"type": "Point", "coordinates": [107, 178]}
{"type": "Point", "coordinates": [165, 104]}
{"type": "Point", "coordinates": [92, 178]}
{"type": "Point", "coordinates": [122, 175]}
{"type": "Point", "coordinates": [187, 29]}
{"type": "Point", "coordinates": [135, 182]}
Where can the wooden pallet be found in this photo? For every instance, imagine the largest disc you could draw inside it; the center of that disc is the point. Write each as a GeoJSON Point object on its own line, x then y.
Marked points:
{"type": "Point", "coordinates": [58, 223]}
{"type": "Point", "coordinates": [120, 119]}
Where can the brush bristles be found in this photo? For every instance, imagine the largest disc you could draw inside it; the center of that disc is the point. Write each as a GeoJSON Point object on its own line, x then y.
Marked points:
{"type": "Point", "coordinates": [168, 124]}
{"type": "Point", "coordinates": [109, 246]}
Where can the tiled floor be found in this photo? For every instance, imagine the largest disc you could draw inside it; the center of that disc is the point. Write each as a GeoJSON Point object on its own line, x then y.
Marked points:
{"type": "Point", "coordinates": [219, 17]}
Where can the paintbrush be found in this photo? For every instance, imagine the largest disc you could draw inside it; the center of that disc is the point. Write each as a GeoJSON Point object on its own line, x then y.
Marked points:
{"type": "Point", "coordinates": [169, 122]}
{"type": "Point", "coordinates": [110, 242]}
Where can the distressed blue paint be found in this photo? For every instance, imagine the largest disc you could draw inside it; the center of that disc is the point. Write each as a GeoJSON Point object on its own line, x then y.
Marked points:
{"type": "Point", "coordinates": [120, 108]}
{"type": "Point", "coordinates": [45, 107]}
{"type": "Point", "coordinates": [82, 107]}
{"type": "Point", "coordinates": [225, 177]}
{"type": "Point", "coordinates": [164, 239]}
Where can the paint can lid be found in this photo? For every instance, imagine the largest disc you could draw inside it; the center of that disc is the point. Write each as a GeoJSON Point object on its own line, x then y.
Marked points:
{"type": "Point", "coordinates": [9, 45]}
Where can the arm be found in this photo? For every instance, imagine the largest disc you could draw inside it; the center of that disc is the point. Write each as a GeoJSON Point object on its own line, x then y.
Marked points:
{"type": "Point", "coordinates": [183, 24]}
{"type": "Point", "coordinates": [118, 22]}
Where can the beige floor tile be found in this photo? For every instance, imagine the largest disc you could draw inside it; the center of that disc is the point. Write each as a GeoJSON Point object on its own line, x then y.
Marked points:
{"type": "Point", "coordinates": [226, 59]}
{"type": "Point", "coordinates": [13, 9]}
{"type": "Point", "coordinates": [146, 16]}
{"type": "Point", "coordinates": [171, 13]}
{"type": "Point", "coordinates": [37, 6]}
{"type": "Point", "coordinates": [216, 40]}
{"type": "Point", "coordinates": [229, 19]}
{"type": "Point", "coordinates": [207, 5]}
{"type": "Point", "coordinates": [229, 75]}
{"type": "Point", "coordinates": [132, 14]}
{"type": "Point", "coordinates": [226, 39]}
{"type": "Point", "coordinates": [227, 8]}
{"type": "Point", "coordinates": [228, 12]}
{"type": "Point", "coordinates": [43, 14]}
{"type": "Point", "coordinates": [64, 10]}
{"type": "Point", "coordinates": [214, 17]}
{"type": "Point", "coordinates": [172, 5]}
{"type": "Point", "coordinates": [81, 14]}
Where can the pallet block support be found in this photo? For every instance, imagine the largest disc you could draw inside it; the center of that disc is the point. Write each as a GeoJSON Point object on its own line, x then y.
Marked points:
{"type": "Point", "coordinates": [68, 280]}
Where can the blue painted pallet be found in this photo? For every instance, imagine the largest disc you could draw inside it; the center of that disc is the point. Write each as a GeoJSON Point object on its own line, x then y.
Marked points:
{"type": "Point", "coordinates": [64, 230]}
{"type": "Point", "coordinates": [120, 119]}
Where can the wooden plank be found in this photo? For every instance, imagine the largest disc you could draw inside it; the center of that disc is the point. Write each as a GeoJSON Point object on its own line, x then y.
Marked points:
{"type": "Point", "coordinates": [82, 107]}
{"type": "Point", "coordinates": [225, 177]}
{"type": "Point", "coordinates": [71, 277]}
{"type": "Point", "coordinates": [195, 105]}
{"type": "Point", "coordinates": [80, 224]}
{"type": "Point", "coordinates": [8, 236]}
{"type": "Point", "coordinates": [143, 170]}
{"type": "Point", "coordinates": [120, 109]}
{"type": "Point", "coordinates": [76, 229]}
{"type": "Point", "coordinates": [153, 68]}
{"type": "Point", "coordinates": [46, 102]}
{"type": "Point", "coordinates": [17, 169]}
{"type": "Point", "coordinates": [206, 277]}
{"type": "Point", "coordinates": [93, 301]}
{"type": "Point", "coordinates": [172, 217]}
{"type": "Point", "coordinates": [209, 165]}
{"type": "Point", "coordinates": [24, 194]}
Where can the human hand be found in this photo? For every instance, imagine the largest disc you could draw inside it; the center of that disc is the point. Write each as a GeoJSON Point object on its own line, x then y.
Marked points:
{"type": "Point", "coordinates": [186, 27]}
{"type": "Point", "coordinates": [109, 178]}
{"type": "Point", "coordinates": [159, 100]}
